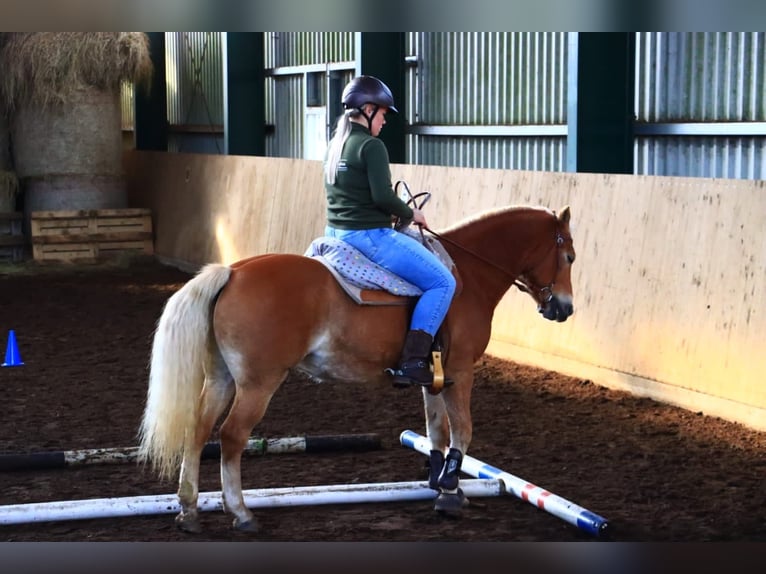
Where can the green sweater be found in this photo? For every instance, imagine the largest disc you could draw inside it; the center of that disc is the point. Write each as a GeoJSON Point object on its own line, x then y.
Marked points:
{"type": "Point", "coordinates": [362, 196]}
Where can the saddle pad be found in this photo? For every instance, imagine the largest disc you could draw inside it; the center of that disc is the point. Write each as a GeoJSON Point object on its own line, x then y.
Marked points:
{"type": "Point", "coordinates": [363, 296]}
{"type": "Point", "coordinates": [357, 270]}
{"type": "Point", "coordinates": [356, 273]}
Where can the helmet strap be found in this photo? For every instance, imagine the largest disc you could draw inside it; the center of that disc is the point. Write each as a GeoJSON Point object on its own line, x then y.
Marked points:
{"type": "Point", "coordinates": [370, 117]}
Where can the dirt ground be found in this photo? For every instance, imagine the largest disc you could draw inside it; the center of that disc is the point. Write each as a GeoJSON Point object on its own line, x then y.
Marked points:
{"type": "Point", "coordinates": [655, 472]}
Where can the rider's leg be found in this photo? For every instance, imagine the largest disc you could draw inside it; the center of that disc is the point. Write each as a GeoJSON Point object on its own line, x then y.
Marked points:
{"type": "Point", "coordinates": [410, 260]}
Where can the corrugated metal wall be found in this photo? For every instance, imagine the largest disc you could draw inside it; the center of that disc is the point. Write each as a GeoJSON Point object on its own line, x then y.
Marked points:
{"type": "Point", "coordinates": [289, 57]}
{"type": "Point", "coordinates": [194, 71]}
{"type": "Point", "coordinates": [285, 49]}
{"type": "Point", "coordinates": [499, 99]}
{"type": "Point", "coordinates": [700, 77]}
{"type": "Point", "coordinates": [490, 78]}
{"type": "Point", "coordinates": [284, 110]}
{"type": "Point", "coordinates": [194, 76]}
{"type": "Point", "coordinates": [488, 99]}
{"type": "Point", "coordinates": [127, 106]}
{"type": "Point", "coordinates": [701, 104]}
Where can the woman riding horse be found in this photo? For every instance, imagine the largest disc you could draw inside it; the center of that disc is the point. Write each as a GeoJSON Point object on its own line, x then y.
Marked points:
{"type": "Point", "coordinates": [361, 203]}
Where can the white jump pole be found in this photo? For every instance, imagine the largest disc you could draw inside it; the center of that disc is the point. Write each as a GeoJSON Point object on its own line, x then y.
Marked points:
{"type": "Point", "coordinates": [258, 498]}
{"type": "Point", "coordinates": [551, 503]}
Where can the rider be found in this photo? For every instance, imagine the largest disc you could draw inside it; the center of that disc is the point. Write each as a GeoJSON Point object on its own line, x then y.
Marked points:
{"type": "Point", "coordinates": [361, 203]}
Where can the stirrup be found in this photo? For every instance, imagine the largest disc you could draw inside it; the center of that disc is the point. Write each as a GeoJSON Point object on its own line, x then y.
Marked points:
{"type": "Point", "coordinates": [402, 381]}
{"type": "Point", "coordinates": [437, 383]}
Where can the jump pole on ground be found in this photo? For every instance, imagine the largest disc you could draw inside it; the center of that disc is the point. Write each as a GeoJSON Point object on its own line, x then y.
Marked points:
{"type": "Point", "coordinates": [520, 488]}
{"type": "Point", "coordinates": [255, 446]}
{"type": "Point", "coordinates": [258, 498]}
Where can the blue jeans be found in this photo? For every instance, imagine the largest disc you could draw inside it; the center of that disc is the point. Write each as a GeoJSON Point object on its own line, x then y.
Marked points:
{"type": "Point", "coordinates": [411, 261]}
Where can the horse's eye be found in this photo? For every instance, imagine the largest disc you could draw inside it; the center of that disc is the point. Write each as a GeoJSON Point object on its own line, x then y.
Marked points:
{"type": "Point", "coordinates": [570, 258]}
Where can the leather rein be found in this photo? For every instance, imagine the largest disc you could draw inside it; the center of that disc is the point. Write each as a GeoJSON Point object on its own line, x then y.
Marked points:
{"type": "Point", "coordinates": [521, 282]}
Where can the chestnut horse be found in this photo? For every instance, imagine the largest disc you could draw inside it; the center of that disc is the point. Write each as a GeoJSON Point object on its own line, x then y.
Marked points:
{"type": "Point", "coordinates": [230, 336]}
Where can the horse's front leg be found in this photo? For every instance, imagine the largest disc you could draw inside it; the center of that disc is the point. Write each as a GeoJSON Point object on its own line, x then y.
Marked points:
{"type": "Point", "coordinates": [452, 414]}
{"type": "Point", "coordinates": [437, 431]}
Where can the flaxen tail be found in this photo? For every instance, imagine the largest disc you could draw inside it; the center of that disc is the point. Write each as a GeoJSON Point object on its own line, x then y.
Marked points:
{"type": "Point", "coordinates": [180, 349]}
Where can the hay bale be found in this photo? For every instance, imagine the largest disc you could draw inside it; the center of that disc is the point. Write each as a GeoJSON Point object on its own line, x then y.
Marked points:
{"type": "Point", "coordinates": [63, 93]}
{"type": "Point", "coordinates": [49, 68]}
{"type": "Point", "coordinates": [83, 137]}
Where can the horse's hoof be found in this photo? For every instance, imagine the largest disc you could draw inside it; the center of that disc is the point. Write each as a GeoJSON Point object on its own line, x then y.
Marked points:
{"type": "Point", "coordinates": [451, 503]}
{"type": "Point", "coordinates": [188, 524]}
{"type": "Point", "coordinates": [246, 526]}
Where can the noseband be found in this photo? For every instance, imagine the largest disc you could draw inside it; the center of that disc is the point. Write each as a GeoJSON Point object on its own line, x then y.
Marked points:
{"type": "Point", "coordinates": [546, 291]}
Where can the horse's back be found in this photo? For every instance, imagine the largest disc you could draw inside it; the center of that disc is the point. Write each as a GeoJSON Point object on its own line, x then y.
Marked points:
{"type": "Point", "coordinates": [282, 309]}
{"type": "Point", "coordinates": [302, 281]}
{"type": "Point", "coordinates": [276, 284]}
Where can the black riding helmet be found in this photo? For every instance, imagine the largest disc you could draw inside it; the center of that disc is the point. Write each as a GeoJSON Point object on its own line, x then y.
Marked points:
{"type": "Point", "coordinates": [367, 90]}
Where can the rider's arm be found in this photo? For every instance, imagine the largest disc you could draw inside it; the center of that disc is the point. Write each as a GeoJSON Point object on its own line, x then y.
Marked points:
{"type": "Point", "coordinates": [379, 175]}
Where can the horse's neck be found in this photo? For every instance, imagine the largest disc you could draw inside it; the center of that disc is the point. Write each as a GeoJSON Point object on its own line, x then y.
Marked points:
{"type": "Point", "coordinates": [495, 250]}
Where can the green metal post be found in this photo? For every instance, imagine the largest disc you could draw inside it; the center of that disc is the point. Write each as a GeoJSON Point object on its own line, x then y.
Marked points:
{"type": "Point", "coordinates": [381, 54]}
{"type": "Point", "coordinates": [244, 102]}
{"type": "Point", "coordinates": [601, 102]}
{"type": "Point", "coordinates": [151, 108]}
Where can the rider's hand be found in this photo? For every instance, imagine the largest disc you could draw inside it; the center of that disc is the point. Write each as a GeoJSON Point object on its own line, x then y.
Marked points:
{"type": "Point", "coordinates": [418, 218]}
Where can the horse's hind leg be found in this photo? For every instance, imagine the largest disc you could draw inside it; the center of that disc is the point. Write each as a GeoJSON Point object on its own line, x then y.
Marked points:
{"type": "Point", "coordinates": [216, 394]}
{"type": "Point", "coordinates": [250, 402]}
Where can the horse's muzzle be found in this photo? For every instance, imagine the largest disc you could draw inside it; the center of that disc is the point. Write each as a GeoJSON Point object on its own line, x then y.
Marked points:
{"type": "Point", "coordinates": [556, 310]}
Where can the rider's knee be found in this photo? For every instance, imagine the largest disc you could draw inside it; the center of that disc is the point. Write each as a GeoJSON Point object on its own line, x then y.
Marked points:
{"type": "Point", "coordinates": [450, 283]}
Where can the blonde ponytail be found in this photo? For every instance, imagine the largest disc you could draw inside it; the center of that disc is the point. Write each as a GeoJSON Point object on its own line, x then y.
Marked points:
{"type": "Point", "coordinates": [335, 147]}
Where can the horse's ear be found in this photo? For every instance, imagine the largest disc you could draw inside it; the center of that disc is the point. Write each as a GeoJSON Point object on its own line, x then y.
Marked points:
{"type": "Point", "coordinates": [564, 215]}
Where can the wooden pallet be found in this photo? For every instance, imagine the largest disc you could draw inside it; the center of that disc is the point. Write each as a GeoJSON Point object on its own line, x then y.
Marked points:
{"type": "Point", "coordinates": [90, 235]}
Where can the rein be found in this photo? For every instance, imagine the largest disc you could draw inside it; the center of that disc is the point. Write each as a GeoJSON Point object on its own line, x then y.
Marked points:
{"type": "Point", "coordinates": [546, 291]}
{"type": "Point", "coordinates": [464, 248]}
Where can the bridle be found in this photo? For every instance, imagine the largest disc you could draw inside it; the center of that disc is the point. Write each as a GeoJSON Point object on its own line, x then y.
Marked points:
{"type": "Point", "coordinates": [546, 291]}
{"type": "Point", "coordinates": [544, 294]}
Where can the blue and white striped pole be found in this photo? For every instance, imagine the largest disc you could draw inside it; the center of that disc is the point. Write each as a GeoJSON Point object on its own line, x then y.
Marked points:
{"type": "Point", "coordinates": [520, 488]}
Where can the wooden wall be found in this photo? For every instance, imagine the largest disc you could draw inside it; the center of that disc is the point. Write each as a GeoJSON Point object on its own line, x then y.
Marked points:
{"type": "Point", "coordinates": [670, 277]}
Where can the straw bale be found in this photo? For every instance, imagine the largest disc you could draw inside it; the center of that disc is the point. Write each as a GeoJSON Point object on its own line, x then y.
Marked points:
{"type": "Point", "coordinates": [47, 68]}
{"type": "Point", "coordinates": [85, 138]}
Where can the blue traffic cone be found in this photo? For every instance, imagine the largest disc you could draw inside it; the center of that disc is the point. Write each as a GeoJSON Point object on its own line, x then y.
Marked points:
{"type": "Point", "coordinates": [12, 357]}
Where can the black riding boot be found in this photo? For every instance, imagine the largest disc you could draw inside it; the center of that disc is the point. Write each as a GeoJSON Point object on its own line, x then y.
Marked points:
{"type": "Point", "coordinates": [415, 361]}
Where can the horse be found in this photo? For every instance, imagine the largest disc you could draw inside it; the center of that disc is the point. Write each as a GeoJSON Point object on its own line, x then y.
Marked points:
{"type": "Point", "coordinates": [231, 335]}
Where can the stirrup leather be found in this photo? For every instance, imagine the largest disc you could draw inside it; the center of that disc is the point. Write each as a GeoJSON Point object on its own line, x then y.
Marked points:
{"type": "Point", "coordinates": [438, 383]}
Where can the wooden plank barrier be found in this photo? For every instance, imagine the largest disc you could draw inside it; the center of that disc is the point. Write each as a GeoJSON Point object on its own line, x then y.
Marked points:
{"type": "Point", "coordinates": [669, 282]}
{"type": "Point", "coordinates": [90, 235]}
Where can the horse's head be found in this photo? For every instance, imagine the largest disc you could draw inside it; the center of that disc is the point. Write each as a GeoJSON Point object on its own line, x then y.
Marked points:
{"type": "Point", "coordinates": [549, 280]}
